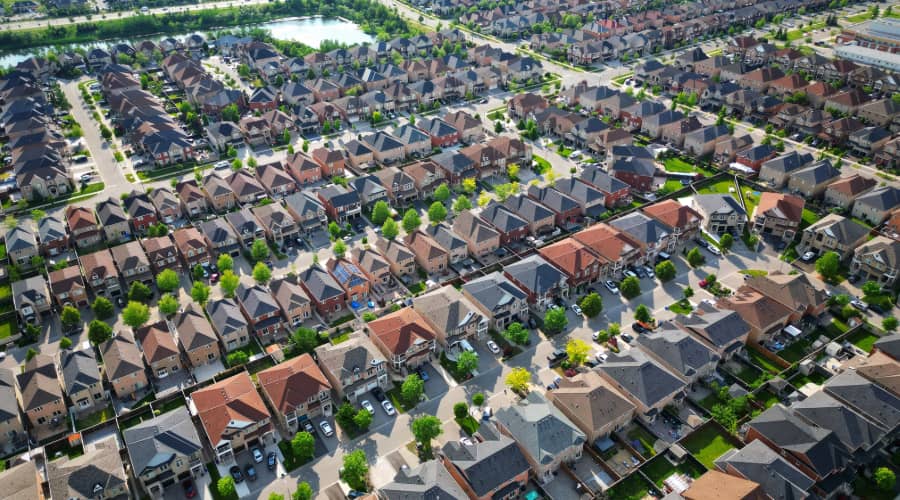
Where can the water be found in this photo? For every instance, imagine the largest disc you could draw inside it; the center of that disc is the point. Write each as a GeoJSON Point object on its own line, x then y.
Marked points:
{"type": "Point", "coordinates": [308, 30]}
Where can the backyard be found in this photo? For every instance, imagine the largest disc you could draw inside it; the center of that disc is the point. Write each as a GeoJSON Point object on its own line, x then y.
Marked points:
{"type": "Point", "coordinates": [707, 444]}
{"type": "Point", "coordinates": [864, 339]}
{"type": "Point", "coordinates": [814, 377]}
{"type": "Point", "coordinates": [639, 435]}
{"type": "Point", "coordinates": [677, 165]}
{"type": "Point", "coordinates": [722, 187]}
{"type": "Point", "coordinates": [749, 375]}
{"type": "Point", "coordinates": [763, 362]}
{"type": "Point", "coordinates": [798, 349]}
{"type": "Point", "coordinates": [95, 418]}
{"type": "Point", "coordinates": [660, 468]}
{"type": "Point", "coordinates": [633, 487]}
{"type": "Point", "coordinates": [766, 398]}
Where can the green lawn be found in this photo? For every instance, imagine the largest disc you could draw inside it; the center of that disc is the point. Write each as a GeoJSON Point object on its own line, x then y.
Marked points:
{"type": "Point", "coordinates": [93, 419]}
{"type": "Point", "coordinates": [416, 288]}
{"type": "Point", "coordinates": [678, 165]}
{"type": "Point", "coordinates": [814, 377]}
{"type": "Point", "coordinates": [633, 487]}
{"type": "Point", "coordinates": [7, 327]}
{"type": "Point", "coordinates": [766, 398]}
{"type": "Point", "coordinates": [638, 433]}
{"type": "Point", "coordinates": [863, 339]}
{"type": "Point", "coordinates": [468, 424]}
{"type": "Point", "coordinates": [659, 469]}
{"type": "Point", "coordinates": [751, 375]}
{"type": "Point", "coordinates": [808, 218]}
{"type": "Point", "coordinates": [170, 405]}
{"type": "Point", "coordinates": [750, 200]}
{"type": "Point", "coordinates": [754, 272]}
{"type": "Point", "coordinates": [763, 362]}
{"type": "Point", "coordinates": [5, 292]}
{"type": "Point", "coordinates": [340, 338]}
{"type": "Point", "coordinates": [671, 186]}
{"type": "Point", "coordinates": [858, 18]}
{"type": "Point", "coordinates": [797, 350]}
{"type": "Point", "coordinates": [397, 399]}
{"type": "Point", "coordinates": [707, 445]}
{"type": "Point", "coordinates": [2, 251]}
{"type": "Point", "coordinates": [681, 307]}
{"type": "Point", "coordinates": [540, 164]}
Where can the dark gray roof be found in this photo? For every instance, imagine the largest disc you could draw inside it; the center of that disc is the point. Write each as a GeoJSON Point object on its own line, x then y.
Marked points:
{"type": "Point", "coordinates": [717, 203]}
{"type": "Point", "coordinates": [354, 355]}
{"type": "Point", "coordinates": [226, 316]}
{"type": "Point", "coordinates": [51, 228]}
{"type": "Point", "coordinates": [454, 161]}
{"type": "Point", "coordinates": [320, 285]}
{"type": "Point", "coordinates": [527, 208]}
{"type": "Point", "coordinates": [369, 186]}
{"type": "Point", "coordinates": [577, 190]}
{"type": "Point", "coordinates": [890, 345]}
{"type": "Point", "coordinates": [436, 127]}
{"type": "Point", "coordinates": [407, 134]}
{"type": "Point", "coordinates": [641, 376]}
{"type": "Point", "coordinates": [851, 428]}
{"type": "Point", "coordinates": [502, 218]}
{"type": "Point", "coordinates": [427, 481]}
{"type": "Point", "coordinates": [817, 173]}
{"type": "Point", "coordinates": [721, 327]}
{"type": "Point", "coordinates": [601, 180]}
{"type": "Point", "coordinates": [29, 292]}
{"type": "Point", "coordinates": [536, 274]}
{"type": "Point", "coordinates": [339, 196]}
{"type": "Point", "coordinates": [759, 463]}
{"type": "Point", "coordinates": [789, 162]}
{"type": "Point", "coordinates": [494, 291]}
{"type": "Point", "coordinates": [99, 468]}
{"type": "Point", "coordinates": [446, 238]}
{"type": "Point", "coordinates": [468, 225]}
{"type": "Point", "coordinates": [540, 428]}
{"type": "Point", "coordinates": [256, 300]}
{"type": "Point", "coordinates": [678, 349]}
{"type": "Point", "coordinates": [861, 394]}
{"type": "Point", "coordinates": [242, 221]}
{"type": "Point", "coordinates": [20, 238]}
{"type": "Point", "coordinates": [881, 199]}
{"type": "Point", "coordinates": [79, 370]}
{"type": "Point", "coordinates": [161, 440]}
{"type": "Point", "coordinates": [487, 464]}
{"type": "Point", "coordinates": [642, 228]}
{"type": "Point", "coordinates": [382, 141]}
{"type": "Point", "coordinates": [110, 212]}
{"type": "Point", "coordinates": [303, 204]}
{"type": "Point", "coordinates": [634, 165]}
{"type": "Point", "coordinates": [9, 407]}
{"type": "Point", "coordinates": [217, 230]}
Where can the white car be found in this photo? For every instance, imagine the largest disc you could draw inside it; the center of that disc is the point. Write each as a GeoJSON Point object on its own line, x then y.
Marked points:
{"type": "Point", "coordinates": [257, 455]}
{"type": "Point", "coordinates": [326, 428]}
{"type": "Point", "coordinates": [649, 271]}
{"type": "Point", "coordinates": [630, 274]}
{"type": "Point", "coordinates": [576, 309]}
{"type": "Point", "coordinates": [466, 441]}
{"type": "Point", "coordinates": [368, 406]}
{"type": "Point", "coordinates": [388, 407]}
{"type": "Point", "coordinates": [611, 286]}
{"type": "Point", "coordinates": [493, 347]}
{"type": "Point", "coordinates": [714, 250]}
{"type": "Point", "coordinates": [808, 256]}
{"type": "Point", "coordinates": [602, 357]}
{"type": "Point", "coordinates": [595, 336]}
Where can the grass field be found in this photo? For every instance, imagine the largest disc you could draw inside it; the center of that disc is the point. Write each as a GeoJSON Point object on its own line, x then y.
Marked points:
{"type": "Point", "coordinates": [659, 469]}
{"type": "Point", "coordinates": [863, 339]}
{"type": "Point", "coordinates": [808, 218]}
{"type": "Point", "coordinates": [681, 307]}
{"type": "Point", "coordinates": [707, 445]}
{"type": "Point", "coordinates": [763, 362]}
{"type": "Point", "coordinates": [103, 415]}
{"type": "Point", "coordinates": [7, 327]}
{"type": "Point", "coordinates": [634, 487]}
{"type": "Point", "coordinates": [766, 398]}
{"type": "Point", "coordinates": [638, 433]}
{"type": "Point", "coordinates": [797, 350]}
{"type": "Point", "coordinates": [720, 187]}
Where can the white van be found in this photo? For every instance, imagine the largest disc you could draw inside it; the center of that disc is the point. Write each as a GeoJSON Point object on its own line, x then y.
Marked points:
{"type": "Point", "coordinates": [465, 345]}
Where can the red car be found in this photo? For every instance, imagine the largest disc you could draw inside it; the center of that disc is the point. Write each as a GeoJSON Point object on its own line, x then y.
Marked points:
{"type": "Point", "coordinates": [702, 283]}
{"type": "Point", "coordinates": [214, 278]}
{"type": "Point", "coordinates": [189, 490]}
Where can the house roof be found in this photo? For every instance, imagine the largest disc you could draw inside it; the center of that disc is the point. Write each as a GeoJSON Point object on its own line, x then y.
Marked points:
{"type": "Point", "coordinates": [99, 468]}
{"type": "Point", "coordinates": [870, 400]}
{"type": "Point", "coordinates": [79, 370]}
{"type": "Point", "coordinates": [672, 214]}
{"type": "Point", "coordinates": [852, 429]}
{"type": "Point", "coordinates": [755, 308]}
{"type": "Point", "coordinates": [160, 440]}
{"type": "Point", "coordinates": [487, 465]}
{"type": "Point", "coordinates": [601, 180]}
{"type": "Point", "coordinates": [571, 256]}
{"type": "Point", "coordinates": [641, 376]}
{"type": "Point", "coordinates": [715, 484]}
{"type": "Point", "coordinates": [353, 355]}
{"type": "Point", "coordinates": [679, 350]}
{"type": "Point", "coordinates": [536, 274]}
{"type": "Point", "coordinates": [795, 291]}
{"type": "Point", "coordinates": [592, 400]}
{"type": "Point", "coordinates": [447, 310]}
{"type": "Point", "coordinates": [789, 162]}
{"type": "Point", "coordinates": [606, 241]}
{"type": "Point", "coordinates": [37, 383]}
{"type": "Point", "coordinates": [226, 316]}
{"type": "Point", "coordinates": [778, 478]}
{"type": "Point", "coordinates": [232, 403]}
{"type": "Point", "coordinates": [719, 204]}
{"type": "Point", "coordinates": [880, 199]}
{"type": "Point", "coordinates": [502, 218]}
{"type": "Point", "coordinates": [816, 173]}
{"type": "Point", "coordinates": [110, 212]}
{"type": "Point", "coordinates": [289, 294]}
{"type": "Point", "coordinates": [642, 228]}
{"type": "Point", "coordinates": [539, 427]}
{"type": "Point", "coordinates": [9, 406]}
{"type": "Point", "coordinates": [130, 256]}
{"type": "Point", "coordinates": [291, 384]}
{"type": "Point", "coordinates": [193, 329]}
{"type": "Point", "coordinates": [428, 480]}
{"type": "Point", "coordinates": [473, 228]}
{"type": "Point", "coordinates": [780, 206]}
{"type": "Point", "coordinates": [852, 185]}
{"type": "Point", "coordinates": [157, 341]}
{"type": "Point", "coordinates": [22, 481]}
{"type": "Point", "coordinates": [401, 330]}
{"type": "Point", "coordinates": [121, 356]}
{"type": "Point", "coordinates": [527, 208]}
{"type": "Point", "coordinates": [840, 228]}
{"type": "Point", "coordinates": [494, 291]}
{"type": "Point", "coordinates": [890, 345]}
{"type": "Point", "coordinates": [320, 285]}
{"type": "Point", "coordinates": [51, 229]}
{"type": "Point", "coordinates": [256, 300]}
{"type": "Point", "coordinates": [721, 327]}
{"type": "Point", "coordinates": [218, 230]}
{"type": "Point", "coordinates": [20, 238]}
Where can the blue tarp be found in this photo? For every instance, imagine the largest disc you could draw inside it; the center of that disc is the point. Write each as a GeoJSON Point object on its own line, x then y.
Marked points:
{"type": "Point", "coordinates": [354, 304]}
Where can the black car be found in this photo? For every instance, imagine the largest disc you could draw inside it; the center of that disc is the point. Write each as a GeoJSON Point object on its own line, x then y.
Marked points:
{"type": "Point", "coordinates": [120, 301]}
{"type": "Point", "coordinates": [271, 460]}
{"type": "Point", "coordinates": [250, 472]}
{"type": "Point", "coordinates": [877, 309]}
{"type": "Point", "coordinates": [235, 472]}
{"type": "Point", "coordinates": [557, 356]}
{"type": "Point", "coordinates": [637, 327]}
{"type": "Point", "coordinates": [627, 338]}
{"type": "Point", "coordinates": [780, 246]}
{"type": "Point", "coordinates": [309, 427]}
{"type": "Point", "coordinates": [378, 394]}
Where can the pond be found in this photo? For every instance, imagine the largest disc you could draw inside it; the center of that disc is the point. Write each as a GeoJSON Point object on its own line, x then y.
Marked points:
{"type": "Point", "coordinates": [308, 30]}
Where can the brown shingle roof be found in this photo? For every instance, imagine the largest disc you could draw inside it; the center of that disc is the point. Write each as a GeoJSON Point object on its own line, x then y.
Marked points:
{"type": "Point", "coordinates": [571, 256]}
{"type": "Point", "coordinates": [232, 400]}
{"type": "Point", "coordinates": [157, 341]}
{"type": "Point", "coordinates": [292, 383]}
{"type": "Point", "coordinates": [782, 206]}
{"type": "Point", "coordinates": [401, 330]}
{"type": "Point", "coordinates": [852, 185]}
{"type": "Point", "coordinates": [715, 484]}
{"type": "Point", "coordinates": [672, 213]}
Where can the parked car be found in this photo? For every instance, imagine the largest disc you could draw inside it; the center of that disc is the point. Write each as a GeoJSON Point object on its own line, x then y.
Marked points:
{"type": "Point", "coordinates": [627, 338]}
{"type": "Point", "coordinates": [649, 271]}
{"type": "Point", "coordinates": [422, 374]}
{"type": "Point", "coordinates": [271, 460]}
{"type": "Point", "coordinates": [388, 407]}
{"type": "Point", "coordinates": [257, 455]}
{"type": "Point", "coordinates": [808, 256]}
{"type": "Point", "coordinates": [493, 347]}
{"type": "Point", "coordinates": [378, 394]}
{"type": "Point", "coordinates": [630, 274]}
{"type": "Point", "coordinates": [250, 472]}
{"type": "Point", "coordinates": [235, 472]}
{"type": "Point", "coordinates": [713, 250]}
{"type": "Point", "coordinates": [187, 486]}
{"type": "Point", "coordinates": [368, 406]}
{"type": "Point", "coordinates": [557, 356]}
{"type": "Point", "coordinates": [639, 328]}
{"type": "Point", "coordinates": [308, 427]}
{"type": "Point", "coordinates": [862, 306]}
{"type": "Point", "coordinates": [326, 428]}
{"type": "Point", "coordinates": [611, 286]}
{"type": "Point", "coordinates": [576, 309]}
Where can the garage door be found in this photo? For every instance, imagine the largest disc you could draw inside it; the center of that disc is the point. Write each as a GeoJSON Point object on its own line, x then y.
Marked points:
{"type": "Point", "coordinates": [371, 385]}
{"type": "Point", "coordinates": [359, 392]}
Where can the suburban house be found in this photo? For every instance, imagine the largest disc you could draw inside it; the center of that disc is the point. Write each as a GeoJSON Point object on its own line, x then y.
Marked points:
{"type": "Point", "coordinates": [196, 336]}
{"type": "Point", "coordinates": [164, 447]}
{"type": "Point", "coordinates": [84, 228]}
{"type": "Point", "coordinates": [723, 330]}
{"type": "Point", "coordinates": [162, 254]}
{"type": "Point", "coordinates": [430, 256]}
{"type": "Point", "coordinates": [233, 416]}
{"type": "Point", "coordinates": [52, 236]}
{"type": "Point", "coordinates": [794, 291]}
{"type": "Point", "coordinates": [353, 367]}
{"type": "Point", "coordinates": [12, 432]}
{"type": "Point", "coordinates": [192, 247]}
{"type": "Point", "coordinates": [833, 233]}
{"type": "Point", "coordinates": [778, 170]}
{"type": "Point", "coordinates": [612, 245]}
{"type": "Point", "coordinates": [326, 294]}
{"type": "Point", "coordinates": [423, 480]}
{"type": "Point", "coordinates": [401, 259]}
{"type": "Point", "coordinates": [643, 380]}
{"type": "Point", "coordinates": [123, 366]}
{"type": "Point", "coordinates": [21, 246]}
{"type": "Point", "coordinates": [540, 280]}
{"type": "Point", "coordinates": [722, 213]}
{"type": "Point", "coordinates": [456, 247]}
{"type": "Point", "coordinates": [277, 223]}
{"type": "Point", "coordinates": [489, 468]}
{"type": "Point", "coordinates": [351, 279]}
{"type": "Point", "coordinates": [593, 404]}
{"type": "Point", "coordinates": [844, 191]}
{"type": "Point", "coordinates": [79, 477]}
{"type": "Point", "coordinates": [40, 396]}
{"type": "Point", "coordinates": [262, 311]}
{"type": "Point", "coordinates": [307, 211]}
{"type": "Point", "coordinates": [405, 338]}
{"type": "Point", "coordinates": [653, 236]}
{"type": "Point", "coordinates": [877, 260]}
{"type": "Point", "coordinates": [297, 390]}
{"type": "Point", "coordinates": [759, 463]}
{"type": "Point", "coordinates": [193, 200]}
{"type": "Point", "coordinates": [114, 221]}
{"type": "Point", "coordinates": [615, 192]}
{"type": "Point", "coordinates": [778, 215]}
{"type": "Point", "coordinates": [101, 273]}
{"type": "Point", "coordinates": [765, 316]}
{"type": "Point", "coordinates": [220, 236]}
{"type": "Point", "coordinates": [294, 303]}
{"type": "Point", "coordinates": [161, 354]}
{"type": "Point", "coordinates": [132, 263]}
{"type": "Point", "coordinates": [341, 204]}
{"type": "Point", "coordinates": [591, 201]}
{"type": "Point", "coordinates": [376, 268]}
{"type": "Point", "coordinates": [680, 352]}
{"type": "Point", "coordinates": [481, 238]}
{"type": "Point", "coordinates": [565, 209]}
{"type": "Point", "coordinates": [451, 316]}
{"type": "Point", "coordinates": [31, 299]}
{"type": "Point", "coordinates": [81, 381]}
{"type": "Point", "coordinates": [229, 323]}
{"type": "Point", "coordinates": [876, 205]}
{"type": "Point", "coordinates": [811, 181]}
{"type": "Point", "coordinates": [67, 287]}
{"type": "Point", "coordinates": [142, 212]}
{"type": "Point", "coordinates": [578, 262]}
{"type": "Point", "coordinates": [510, 226]}
{"type": "Point", "coordinates": [540, 219]}
{"type": "Point", "coordinates": [683, 221]}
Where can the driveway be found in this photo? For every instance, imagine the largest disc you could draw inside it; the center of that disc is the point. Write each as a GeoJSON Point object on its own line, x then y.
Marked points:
{"type": "Point", "coordinates": [201, 484]}
{"type": "Point", "coordinates": [591, 473]}
{"type": "Point", "coordinates": [208, 371]}
{"type": "Point", "coordinates": [435, 386]}
{"type": "Point", "coordinates": [264, 475]}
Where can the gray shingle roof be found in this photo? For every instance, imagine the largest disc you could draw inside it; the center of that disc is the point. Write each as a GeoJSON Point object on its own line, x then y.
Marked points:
{"type": "Point", "coordinates": [642, 228]}
{"type": "Point", "coordinates": [9, 407]}
{"type": "Point", "coordinates": [864, 396]}
{"type": "Point", "coordinates": [840, 227]}
{"type": "Point", "coordinates": [51, 229]}
{"type": "Point", "coordinates": [469, 226]}
{"type": "Point", "coordinates": [226, 316]}
{"type": "Point", "coordinates": [601, 180]}
{"type": "Point", "coordinates": [79, 370]}
{"type": "Point", "coordinates": [778, 478]}
{"type": "Point", "coordinates": [494, 291]}
{"type": "Point", "coordinates": [320, 285]}
{"type": "Point", "coordinates": [816, 173]}
{"type": "Point", "coordinates": [446, 238]}
{"type": "Point", "coordinates": [256, 300]}
{"type": "Point", "coordinates": [721, 327]}
{"type": "Point", "coordinates": [722, 204]}
{"type": "Point", "coordinates": [488, 464]}
{"type": "Point", "coordinates": [20, 238]}
{"type": "Point", "coordinates": [535, 273]}
{"type": "Point", "coordinates": [642, 377]}
{"type": "Point", "coordinates": [162, 439]}
{"type": "Point", "coordinates": [427, 481]}
{"type": "Point", "coordinates": [678, 349]}
{"type": "Point", "coordinates": [540, 428]}
{"type": "Point", "coordinates": [890, 345]}
{"type": "Point", "coordinates": [881, 199]}
{"type": "Point", "coordinates": [789, 162]}
{"type": "Point", "coordinates": [502, 218]}
{"type": "Point", "coordinates": [527, 208]}
{"type": "Point", "coordinates": [851, 428]}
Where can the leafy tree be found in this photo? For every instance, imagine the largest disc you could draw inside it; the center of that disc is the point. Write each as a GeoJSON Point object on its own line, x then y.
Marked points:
{"type": "Point", "coordinates": [237, 358]}
{"type": "Point", "coordinates": [839, 300]}
{"type": "Point", "coordinates": [168, 304]}
{"type": "Point", "coordinates": [30, 354]}
{"type": "Point", "coordinates": [356, 470]}
{"type": "Point", "coordinates": [425, 429]}
{"type": "Point", "coordinates": [102, 308]}
{"type": "Point", "coordinates": [630, 287]}
{"type": "Point", "coordinates": [665, 270]}
{"type": "Point", "coordinates": [518, 379]}
{"type": "Point", "coordinates": [688, 292]}
{"type": "Point", "coordinates": [225, 263]}
{"type": "Point", "coordinates": [412, 389]}
{"type": "Point", "coordinates": [99, 332]}
{"type": "Point", "coordinates": [200, 292]}
{"type": "Point", "coordinates": [872, 289]}
{"type": "Point", "coordinates": [726, 241]}
{"type": "Point", "coordinates": [225, 487]}
{"type": "Point", "coordinates": [467, 362]}
{"type": "Point", "coordinates": [411, 220]}
{"type": "Point", "coordinates": [69, 317]}
{"type": "Point", "coordinates": [885, 479]}
{"type": "Point", "coordinates": [484, 198]}
{"type": "Point", "coordinates": [139, 292]}
{"type": "Point", "coordinates": [261, 273]}
{"type": "Point", "coordinates": [304, 491]}
{"type": "Point", "coordinates": [512, 171]}
{"type": "Point", "coordinates": [829, 265]}
{"type": "Point", "coordinates": [555, 320]}
{"type": "Point", "coordinates": [167, 280]}
{"type": "Point", "coordinates": [849, 311]}
{"type": "Point", "coordinates": [504, 191]}
{"type": "Point", "coordinates": [889, 323]}
{"type": "Point", "coordinates": [273, 495]}
{"type": "Point", "coordinates": [442, 193]}
{"type": "Point", "coordinates": [229, 283]}
{"type": "Point", "coordinates": [303, 446]}
{"type": "Point", "coordinates": [390, 229]}
{"type": "Point", "coordinates": [305, 339]}
{"type": "Point", "coordinates": [462, 203]}
{"type": "Point", "coordinates": [591, 304]}
{"type": "Point", "coordinates": [437, 213]}
{"type": "Point", "coordinates": [695, 258]}
{"type": "Point", "coordinates": [516, 333]}
{"type": "Point", "coordinates": [259, 250]}
{"type": "Point", "coordinates": [642, 314]}
{"type": "Point", "coordinates": [135, 314]}
{"type": "Point", "coordinates": [380, 212]}
{"type": "Point", "coordinates": [334, 230]}
{"type": "Point", "coordinates": [65, 343]}
{"type": "Point", "coordinates": [197, 272]}
{"type": "Point", "coordinates": [468, 185]}
{"type": "Point", "coordinates": [478, 399]}
{"type": "Point", "coordinates": [577, 350]}
{"type": "Point", "coordinates": [460, 410]}
{"type": "Point", "coordinates": [339, 249]}
{"type": "Point", "coordinates": [344, 416]}
{"type": "Point", "coordinates": [362, 419]}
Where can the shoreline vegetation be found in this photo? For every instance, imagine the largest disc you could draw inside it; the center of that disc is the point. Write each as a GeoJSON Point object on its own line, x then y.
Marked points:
{"type": "Point", "coordinates": [372, 17]}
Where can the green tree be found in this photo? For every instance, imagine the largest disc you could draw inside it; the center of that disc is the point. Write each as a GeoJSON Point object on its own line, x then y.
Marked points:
{"type": "Point", "coordinates": [30, 354]}
{"type": "Point", "coordinates": [666, 271]}
{"type": "Point", "coordinates": [518, 379]}
{"type": "Point", "coordinates": [871, 289]}
{"type": "Point", "coordinates": [305, 339]}
{"type": "Point", "coordinates": [411, 220]}
{"type": "Point", "coordinates": [69, 317]}
{"type": "Point", "coordinates": [99, 332]}
{"type": "Point", "coordinates": [65, 343]}
{"type": "Point", "coordinates": [334, 230]}
{"type": "Point", "coordinates": [304, 491]}
{"type": "Point", "coordinates": [225, 487]}
{"type": "Point", "coordinates": [642, 314]}
{"type": "Point", "coordinates": [839, 300]}
{"type": "Point", "coordinates": [478, 399]}
{"type": "Point", "coordinates": [591, 305]}
{"type": "Point", "coordinates": [259, 250]}
{"type": "Point", "coordinates": [885, 479]}
{"type": "Point", "coordinates": [139, 292]}
{"type": "Point", "coordinates": [460, 410]}
{"type": "Point", "coordinates": [261, 273]}
{"type": "Point", "coordinates": [462, 203]}
{"type": "Point", "coordinates": [197, 272]}
{"type": "Point", "coordinates": [380, 212]}
{"type": "Point", "coordinates": [512, 171]}
{"type": "Point", "coordinates": [344, 416]}
{"type": "Point", "coordinates": [555, 320]}
{"type": "Point", "coordinates": [468, 185]}
{"type": "Point", "coordinates": [889, 323]}
{"type": "Point", "coordinates": [237, 358]}
{"type": "Point", "coordinates": [200, 293]}
{"type": "Point", "coordinates": [225, 263]}
{"type": "Point", "coordinates": [356, 470]}
{"type": "Point", "coordinates": [630, 287]}
{"type": "Point", "coordinates": [390, 229]}
{"type": "Point", "coordinates": [726, 241]}
{"type": "Point", "coordinates": [425, 429]}
{"type": "Point", "coordinates": [362, 419]}
{"type": "Point", "coordinates": [516, 333]}
{"type": "Point", "coordinates": [339, 249]}
{"type": "Point", "coordinates": [303, 445]}
{"type": "Point", "coordinates": [135, 314]}
{"type": "Point", "coordinates": [273, 495]}
{"type": "Point", "coordinates": [442, 193]}
{"type": "Point", "coordinates": [829, 265]}
{"type": "Point", "coordinates": [168, 304]}
{"type": "Point", "coordinates": [577, 350]}
{"type": "Point", "coordinates": [229, 283]}
{"type": "Point", "coordinates": [167, 280]}
{"type": "Point", "coordinates": [467, 362]}
{"type": "Point", "coordinates": [688, 292]}
{"type": "Point", "coordinates": [103, 308]}
{"type": "Point", "coordinates": [695, 258]}
{"type": "Point", "coordinates": [437, 213]}
{"type": "Point", "coordinates": [412, 389]}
